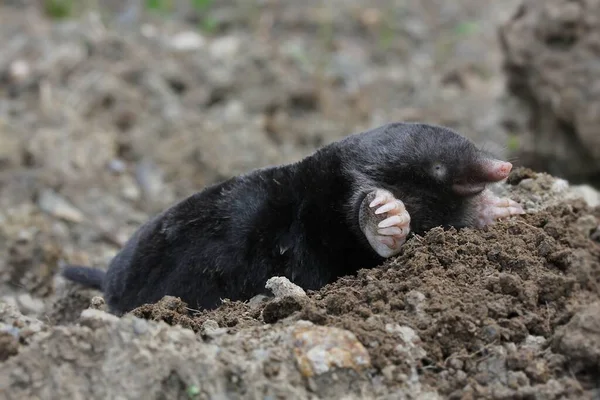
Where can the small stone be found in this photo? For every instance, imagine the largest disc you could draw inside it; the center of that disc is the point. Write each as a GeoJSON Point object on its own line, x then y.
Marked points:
{"type": "Point", "coordinates": [148, 30]}
{"type": "Point", "coordinates": [10, 329]}
{"type": "Point", "coordinates": [319, 349]}
{"type": "Point", "coordinates": [461, 376]}
{"type": "Point", "coordinates": [579, 340]}
{"type": "Point", "coordinates": [517, 379]}
{"type": "Point", "coordinates": [456, 363]}
{"type": "Point", "coordinates": [590, 195]}
{"type": "Point", "coordinates": [225, 47]}
{"type": "Point", "coordinates": [117, 166]}
{"type": "Point", "coordinates": [52, 203]}
{"type": "Point", "coordinates": [490, 333]}
{"type": "Point", "coordinates": [130, 190]}
{"type": "Point", "coordinates": [282, 287]}
{"type": "Point", "coordinates": [98, 303]}
{"type": "Point", "coordinates": [187, 41]}
{"type": "Point", "coordinates": [538, 371]}
{"type": "Point", "coordinates": [211, 328]}
{"type": "Point", "coordinates": [19, 70]}
{"type": "Point", "coordinates": [587, 224]}
{"type": "Point", "coordinates": [257, 300]}
{"type": "Point", "coordinates": [30, 305]}
{"type": "Point", "coordinates": [96, 319]}
{"type": "Point", "coordinates": [140, 326]}
{"type": "Point", "coordinates": [410, 347]}
{"type": "Point", "coordinates": [415, 301]}
{"type": "Point", "coordinates": [535, 342]}
{"type": "Point", "coordinates": [388, 372]}
{"type": "Point", "coordinates": [559, 186]}
{"type": "Point", "coordinates": [371, 17]}
{"type": "Point", "coordinates": [527, 183]}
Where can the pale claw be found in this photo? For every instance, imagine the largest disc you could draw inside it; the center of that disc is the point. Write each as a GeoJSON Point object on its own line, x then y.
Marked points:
{"type": "Point", "coordinates": [492, 208]}
{"type": "Point", "coordinates": [387, 227]}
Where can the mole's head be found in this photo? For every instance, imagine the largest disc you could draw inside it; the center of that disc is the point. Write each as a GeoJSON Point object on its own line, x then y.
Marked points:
{"type": "Point", "coordinates": [438, 159]}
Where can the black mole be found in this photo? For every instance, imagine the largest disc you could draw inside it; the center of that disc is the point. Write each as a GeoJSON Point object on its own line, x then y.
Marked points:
{"type": "Point", "coordinates": [348, 206]}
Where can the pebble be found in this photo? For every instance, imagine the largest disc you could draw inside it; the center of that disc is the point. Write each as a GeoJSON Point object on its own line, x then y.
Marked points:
{"type": "Point", "coordinates": [130, 190]}
{"type": "Point", "coordinates": [320, 349]}
{"type": "Point", "coordinates": [411, 346]}
{"type": "Point", "coordinates": [98, 303]}
{"type": "Point", "coordinates": [187, 41]}
{"type": "Point", "coordinates": [560, 185]}
{"type": "Point", "coordinates": [149, 31]}
{"type": "Point", "coordinates": [11, 330]}
{"type": "Point", "coordinates": [19, 70]}
{"type": "Point", "coordinates": [282, 287]}
{"type": "Point", "coordinates": [211, 328]}
{"type": "Point", "coordinates": [52, 203]}
{"type": "Point", "coordinates": [224, 47]}
{"type": "Point", "coordinates": [415, 300]}
{"type": "Point", "coordinates": [29, 305]}
{"type": "Point", "coordinates": [588, 193]}
{"type": "Point", "coordinates": [535, 342]}
{"type": "Point", "coordinates": [96, 319]}
{"type": "Point", "coordinates": [117, 166]}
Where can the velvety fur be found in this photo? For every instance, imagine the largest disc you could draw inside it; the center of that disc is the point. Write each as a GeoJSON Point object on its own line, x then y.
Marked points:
{"type": "Point", "coordinates": [298, 220]}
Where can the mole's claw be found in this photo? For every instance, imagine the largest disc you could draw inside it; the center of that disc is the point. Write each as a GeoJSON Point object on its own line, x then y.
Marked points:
{"type": "Point", "coordinates": [393, 230]}
{"type": "Point", "coordinates": [381, 197]}
{"type": "Point", "coordinates": [492, 208]}
{"type": "Point", "coordinates": [393, 207]}
{"type": "Point", "coordinates": [392, 221]}
{"type": "Point", "coordinates": [387, 227]}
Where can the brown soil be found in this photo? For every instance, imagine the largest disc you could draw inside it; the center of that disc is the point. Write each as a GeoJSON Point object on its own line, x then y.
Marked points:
{"type": "Point", "coordinates": [464, 292]}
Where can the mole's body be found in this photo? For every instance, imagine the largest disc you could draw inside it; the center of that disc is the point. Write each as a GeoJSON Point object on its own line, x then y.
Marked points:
{"type": "Point", "coordinates": [346, 207]}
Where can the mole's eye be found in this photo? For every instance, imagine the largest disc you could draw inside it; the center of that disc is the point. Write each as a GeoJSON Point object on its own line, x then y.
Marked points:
{"type": "Point", "coordinates": [439, 171]}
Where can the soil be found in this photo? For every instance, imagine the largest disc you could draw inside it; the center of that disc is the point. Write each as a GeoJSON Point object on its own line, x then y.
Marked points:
{"type": "Point", "coordinates": [551, 50]}
{"type": "Point", "coordinates": [485, 305]}
{"type": "Point", "coordinates": [107, 119]}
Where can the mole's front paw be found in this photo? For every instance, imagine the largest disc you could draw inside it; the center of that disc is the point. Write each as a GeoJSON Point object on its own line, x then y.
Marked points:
{"type": "Point", "coordinates": [384, 221]}
{"type": "Point", "coordinates": [490, 208]}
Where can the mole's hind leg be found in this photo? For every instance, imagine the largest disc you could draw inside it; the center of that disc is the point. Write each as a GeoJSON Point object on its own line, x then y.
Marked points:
{"type": "Point", "coordinates": [384, 221]}
{"type": "Point", "coordinates": [491, 207]}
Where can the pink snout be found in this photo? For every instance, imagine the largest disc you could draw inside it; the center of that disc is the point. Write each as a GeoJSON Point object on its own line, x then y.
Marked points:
{"type": "Point", "coordinates": [496, 170]}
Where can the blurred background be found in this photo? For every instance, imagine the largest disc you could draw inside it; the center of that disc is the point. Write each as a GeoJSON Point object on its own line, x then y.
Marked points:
{"type": "Point", "coordinates": [111, 111]}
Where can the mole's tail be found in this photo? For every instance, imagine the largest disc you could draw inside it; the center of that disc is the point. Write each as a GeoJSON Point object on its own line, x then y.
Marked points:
{"type": "Point", "coordinates": [87, 276]}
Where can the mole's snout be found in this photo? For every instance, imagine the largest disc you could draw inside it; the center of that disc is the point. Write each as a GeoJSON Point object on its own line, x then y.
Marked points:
{"type": "Point", "coordinates": [486, 171]}
{"type": "Point", "coordinates": [495, 170]}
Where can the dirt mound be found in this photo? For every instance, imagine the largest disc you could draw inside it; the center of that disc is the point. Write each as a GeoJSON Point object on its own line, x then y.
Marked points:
{"type": "Point", "coordinates": [484, 306]}
{"type": "Point", "coordinates": [551, 52]}
{"type": "Point", "coordinates": [504, 312]}
{"type": "Point", "coordinates": [510, 311]}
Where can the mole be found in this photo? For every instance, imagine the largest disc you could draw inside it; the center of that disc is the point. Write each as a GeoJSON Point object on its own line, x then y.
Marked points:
{"type": "Point", "coordinates": [349, 205]}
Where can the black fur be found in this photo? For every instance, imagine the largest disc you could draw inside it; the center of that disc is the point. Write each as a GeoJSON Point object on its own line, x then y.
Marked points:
{"type": "Point", "coordinates": [298, 220]}
{"type": "Point", "coordinates": [91, 277]}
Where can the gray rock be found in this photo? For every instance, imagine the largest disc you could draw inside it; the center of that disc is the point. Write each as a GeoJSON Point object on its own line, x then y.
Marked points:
{"type": "Point", "coordinates": [282, 287]}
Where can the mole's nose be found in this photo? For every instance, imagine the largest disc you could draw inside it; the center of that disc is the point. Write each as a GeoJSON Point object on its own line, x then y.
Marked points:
{"type": "Point", "coordinates": [496, 170]}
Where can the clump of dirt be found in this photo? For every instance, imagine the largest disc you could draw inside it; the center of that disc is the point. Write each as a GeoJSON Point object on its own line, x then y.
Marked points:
{"type": "Point", "coordinates": [550, 50]}
{"type": "Point", "coordinates": [170, 310]}
{"type": "Point", "coordinates": [472, 296]}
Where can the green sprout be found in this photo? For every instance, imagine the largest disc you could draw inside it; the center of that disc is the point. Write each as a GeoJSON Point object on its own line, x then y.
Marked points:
{"type": "Point", "coordinates": [193, 391]}
{"type": "Point", "coordinates": [513, 143]}
{"type": "Point", "coordinates": [466, 28]}
{"type": "Point", "coordinates": [58, 9]}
